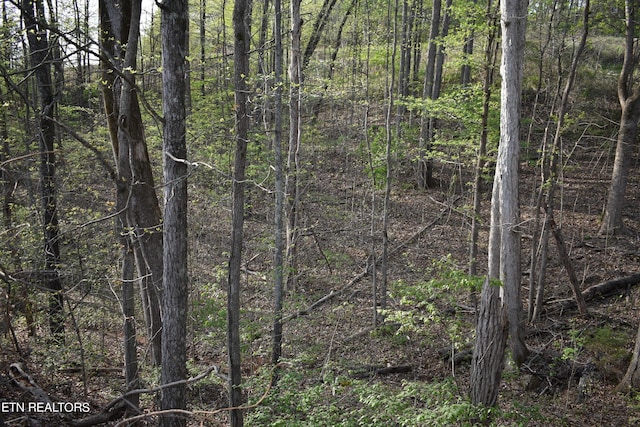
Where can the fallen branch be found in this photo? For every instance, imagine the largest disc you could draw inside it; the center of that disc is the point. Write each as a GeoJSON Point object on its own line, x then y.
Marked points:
{"type": "Point", "coordinates": [186, 413]}
{"type": "Point", "coordinates": [116, 407]}
{"type": "Point", "coordinates": [26, 383]}
{"type": "Point", "coordinates": [604, 289]}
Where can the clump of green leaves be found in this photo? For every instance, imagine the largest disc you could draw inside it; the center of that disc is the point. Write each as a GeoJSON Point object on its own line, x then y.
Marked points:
{"type": "Point", "coordinates": [346, 402]}
{"type": "Point", "coordinates": [435, 301]}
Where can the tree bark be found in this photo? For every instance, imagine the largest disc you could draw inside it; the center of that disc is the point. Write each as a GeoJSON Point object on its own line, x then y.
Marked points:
{"type": "Point", "coordinates": [504, 236]}
{"type": "Point", "coordinates": [631, 379]}
{"type": "Point", "coordinates": [279, 190]}
{"type": "Point", "coordinates": [629, 98]}
{"type": "Point", "coordinates": [295, 136]}
{"type": "Point", "coordinates": [40, 57]}
{"type": "Point", "coordinates": [490, 56]}
{"type": "Point", "coordinates": [488, 354]}
{"type": "Point", "coordinates": [241, 71]}
{"type": "Point", "coordinates": [175, 49]}
{"type": "Point", "coordinates": [316, 32]}
{"type": "Point", "coordinates": [135, 190]}
{"type": "Point", "coordinates": [513, 23]}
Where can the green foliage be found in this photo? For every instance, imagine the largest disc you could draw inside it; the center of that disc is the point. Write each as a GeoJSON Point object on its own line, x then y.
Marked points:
{"type": "Point", "coordinates": [421, 305]}
{"type": "Point", "coordinates": [374, 156]}
{"type": "Point", "coordinates": [572, 351]}
{"type": "Point", "coordinates": [609, 345]}
{"type": "Point", "coordinates": [458, 114]}
{"type": "Point", "coordinates": [346, 402]}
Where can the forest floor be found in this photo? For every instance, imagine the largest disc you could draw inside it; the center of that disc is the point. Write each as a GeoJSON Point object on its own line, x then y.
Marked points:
{"type": "Point", "coordinates": [332, 348]}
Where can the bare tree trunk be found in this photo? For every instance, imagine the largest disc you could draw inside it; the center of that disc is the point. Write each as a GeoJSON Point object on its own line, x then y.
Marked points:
{"type": "Point", "coordinates": [488, 354]}
{"type": "Point", "coordinates": [390, 82]}
{"type": "Point", "coordinates": [40, 57]}
{"type": "Point", "coordinates": [279, 190]}
{"type": "Point", "coordinates": [203, 40]}
{"type": "Point", "coordinates": [631, 379]}
{"type": "Point", "coordinates": [425, 166]}
{"type": "Point", "coordinates": [504, 236]}
{"type": "Point", "coordinates": [490, 56]}
{"type": "Point", "coordinates": [292, 185]}
{"type": "Point", "coordinates": [513, 19]}
{"type": "Point", "coordinates": [241, 15]}
{"type": "Point", "coordinates": [627, 135]}
{"type": "Point", "coordinates": [316, 32]}
{"type": "Point", "coordinates": [175, 49]}
{"type": "Point", "coordinates": [132, 376]}
{"type": "Point", "coordinates": [136, 197]}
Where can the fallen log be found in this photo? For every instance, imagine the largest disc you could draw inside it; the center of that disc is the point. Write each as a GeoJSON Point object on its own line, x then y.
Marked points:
{"type": "Point", "coordinates": [604, 289]}
{"type": "Point", "coordinates": [610, 287]}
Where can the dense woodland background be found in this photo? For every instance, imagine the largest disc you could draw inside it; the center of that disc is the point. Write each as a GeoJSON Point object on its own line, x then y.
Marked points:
{"type": "Point", "coordinates": [371, 143]}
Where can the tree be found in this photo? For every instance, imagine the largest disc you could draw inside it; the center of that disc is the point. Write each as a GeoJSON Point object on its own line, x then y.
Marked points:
{"type": "Point", "coordinates": [175, 49]}
{"type": "Point", "coordinates": [629, 97]}
{"type": "Point", "coordinates": [241, 44]}
{"type": "Point", "coordinates": [33, 12]}
{"type": "Point", "coordinates": [550, 174]}
{"type": "Point", "coordinates": [490, 56]}
{"type": "Point", "coordinates": [292, 183]}
{"type": "Point", "coordinates": [279, 214]}
{"type": "Point", "coordinates": [504, 236]}
{"type": "Point", "coordinates": [136, 200]}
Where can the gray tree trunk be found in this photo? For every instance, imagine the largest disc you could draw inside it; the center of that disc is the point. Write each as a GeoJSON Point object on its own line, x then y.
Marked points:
{"type": "Point", "coordinates": [504, 237]}
{"type": "Point", "coordinates": [627, 135]}
{"type": "Point", "coordinates": [175, 49]}
{"type": "Point", "coordinates": [295, 135]}
{"type": "Point", "coordinates": [513, 18]}
{"type": "Point", "coordinates": [136, 198]}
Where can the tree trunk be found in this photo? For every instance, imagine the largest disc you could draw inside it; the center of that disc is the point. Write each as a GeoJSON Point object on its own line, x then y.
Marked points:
{"type": "Point", "coordinates": [40, 58]}
{"type": "Point", "coordinates": [490, 56]}
{"type": "Point", "coordinates": [132, 376]}
{"type": "Point", "coordinates": [488, 354]}
{"type": "Point", "coordinates": [504, 236]}
{"type": "Point", "coordinates": [279, 215]}
{"type": "Point", "coordinates": [550, 174]}
{"type": "Point", "coordinates": [513, 19]}
{"type": "Point", "coordinates": [627, 135]}
{"type": "Point", "coordinates": [425, 164]}
{"type": "Point", "coordinates": [631, 379]}
{"type": "Point", "coordinates": [316, 32]}
{"type": "Point", "coordinates": [241, 38]}
{"type": "Point", "coordinates": [135, 191]}
{"type": "Point", "coordinates": [295, 135]}
{"type": "Point", "coordinates": [175, 49]}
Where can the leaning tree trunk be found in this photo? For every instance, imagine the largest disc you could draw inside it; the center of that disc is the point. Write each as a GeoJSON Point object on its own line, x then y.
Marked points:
{"type": "Point", "coordinates": [631, 379]}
